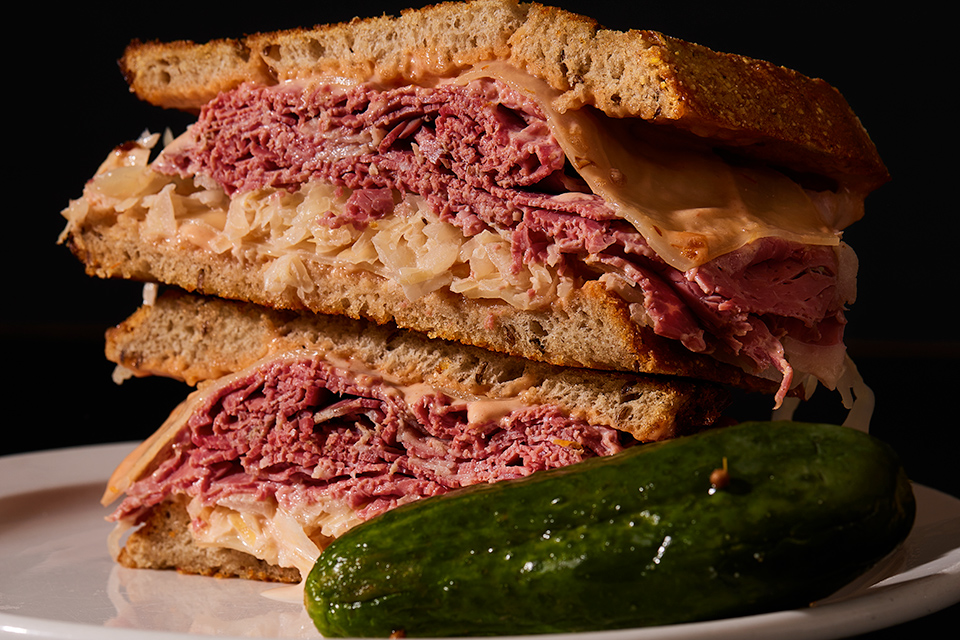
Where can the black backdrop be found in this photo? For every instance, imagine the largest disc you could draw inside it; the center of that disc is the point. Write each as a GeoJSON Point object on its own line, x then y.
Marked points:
{"type": "Point", "coordinates": [68, 106]}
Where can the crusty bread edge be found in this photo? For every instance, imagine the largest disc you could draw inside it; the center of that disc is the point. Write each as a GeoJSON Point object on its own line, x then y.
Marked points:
{"type": "Point", "coordinates": [197, 339]}
{"type": "Point", "coordinates": [163, 541]}
{"type": "Point", "coordinates": [765, 110]}
{"type": "Point", "coordinates": [592, 328]}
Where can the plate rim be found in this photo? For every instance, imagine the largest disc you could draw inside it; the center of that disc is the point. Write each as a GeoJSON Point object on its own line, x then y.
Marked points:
{"type": "Point", "coordinates": [25, 472]}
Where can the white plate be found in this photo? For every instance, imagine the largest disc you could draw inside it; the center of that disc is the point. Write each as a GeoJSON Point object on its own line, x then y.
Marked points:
{"type": "Point", "coordinates": [58, 581]}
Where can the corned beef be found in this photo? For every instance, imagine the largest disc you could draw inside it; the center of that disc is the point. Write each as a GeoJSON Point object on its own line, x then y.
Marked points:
{"type": "Point", "coordinates": [304, 429]}
{"type": "Point", "coordinates": [482, 155]}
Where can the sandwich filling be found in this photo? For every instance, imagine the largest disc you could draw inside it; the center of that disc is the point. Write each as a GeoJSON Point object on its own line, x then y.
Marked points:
{"type": "Point", "coordinates": [479, 186]}
{"type": "Point", "coordinates": [279, 459]}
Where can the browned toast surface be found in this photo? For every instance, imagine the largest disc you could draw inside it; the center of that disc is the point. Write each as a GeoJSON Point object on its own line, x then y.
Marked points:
{"type": "Point", "coordinates": [758, 107]}
{"type": "Point", "coordinates": [195, 338]}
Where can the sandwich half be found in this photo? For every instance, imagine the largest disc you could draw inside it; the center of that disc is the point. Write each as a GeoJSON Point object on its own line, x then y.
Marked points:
{"type": "Point", "coordinates": [304, 425]}
{"type": "Point", "coordinates": [508, 176]}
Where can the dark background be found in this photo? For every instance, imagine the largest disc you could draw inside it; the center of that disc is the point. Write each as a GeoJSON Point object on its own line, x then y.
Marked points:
{"type": "Point", "coordinates": [68, 106]}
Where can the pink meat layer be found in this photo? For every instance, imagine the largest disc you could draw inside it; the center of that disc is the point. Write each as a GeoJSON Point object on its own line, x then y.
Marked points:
{"type": "Point", "coordinates": [483, 156]}
{"type": "Point", "coordinates": [302, 430]}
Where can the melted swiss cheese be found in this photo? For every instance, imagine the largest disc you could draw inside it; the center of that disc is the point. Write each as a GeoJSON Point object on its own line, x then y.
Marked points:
{"type": "Point", "coordinates": [688, 203]}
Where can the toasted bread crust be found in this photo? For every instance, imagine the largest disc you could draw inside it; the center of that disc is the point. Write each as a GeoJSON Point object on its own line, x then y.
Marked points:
{"type": "Point", "coordinates": [590, 329]}
{"type": "Point", "coordinates": [762, 109]}
{"type": "Point", "coordinates": [194, 338]}
{"type": "Point", "coordinates": [164, 542]}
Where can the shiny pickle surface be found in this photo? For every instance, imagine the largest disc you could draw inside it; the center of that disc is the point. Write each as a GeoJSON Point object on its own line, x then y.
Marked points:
{"type": "Point", "coordinates": [733, 521]}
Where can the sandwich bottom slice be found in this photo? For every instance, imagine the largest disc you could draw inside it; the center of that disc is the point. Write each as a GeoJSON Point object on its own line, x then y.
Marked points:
{"type": "Point", "coordinates": [304, 425]}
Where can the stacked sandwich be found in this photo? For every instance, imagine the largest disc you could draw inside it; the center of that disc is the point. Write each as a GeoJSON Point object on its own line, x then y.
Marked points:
{"type": "Point", "coordinates": [408, 254]}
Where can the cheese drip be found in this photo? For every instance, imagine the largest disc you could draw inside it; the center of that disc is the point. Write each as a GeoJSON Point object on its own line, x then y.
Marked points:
{"type": "Point", "coordinates": [688, 203]}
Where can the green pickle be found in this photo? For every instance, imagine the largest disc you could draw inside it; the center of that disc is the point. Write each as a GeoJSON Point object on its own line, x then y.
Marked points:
{"type": "Point", "coordinates": [637, 539]}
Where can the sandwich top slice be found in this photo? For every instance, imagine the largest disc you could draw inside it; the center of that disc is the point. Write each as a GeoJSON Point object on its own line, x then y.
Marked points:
{"type": "Point", "coordinates": [303, 426]}
{"type": "Point", "coordinates": [504, 175]}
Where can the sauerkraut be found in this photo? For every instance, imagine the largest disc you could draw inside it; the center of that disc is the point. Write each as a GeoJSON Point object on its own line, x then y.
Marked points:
{"type": "Point", "coordinates": [285, 230]}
